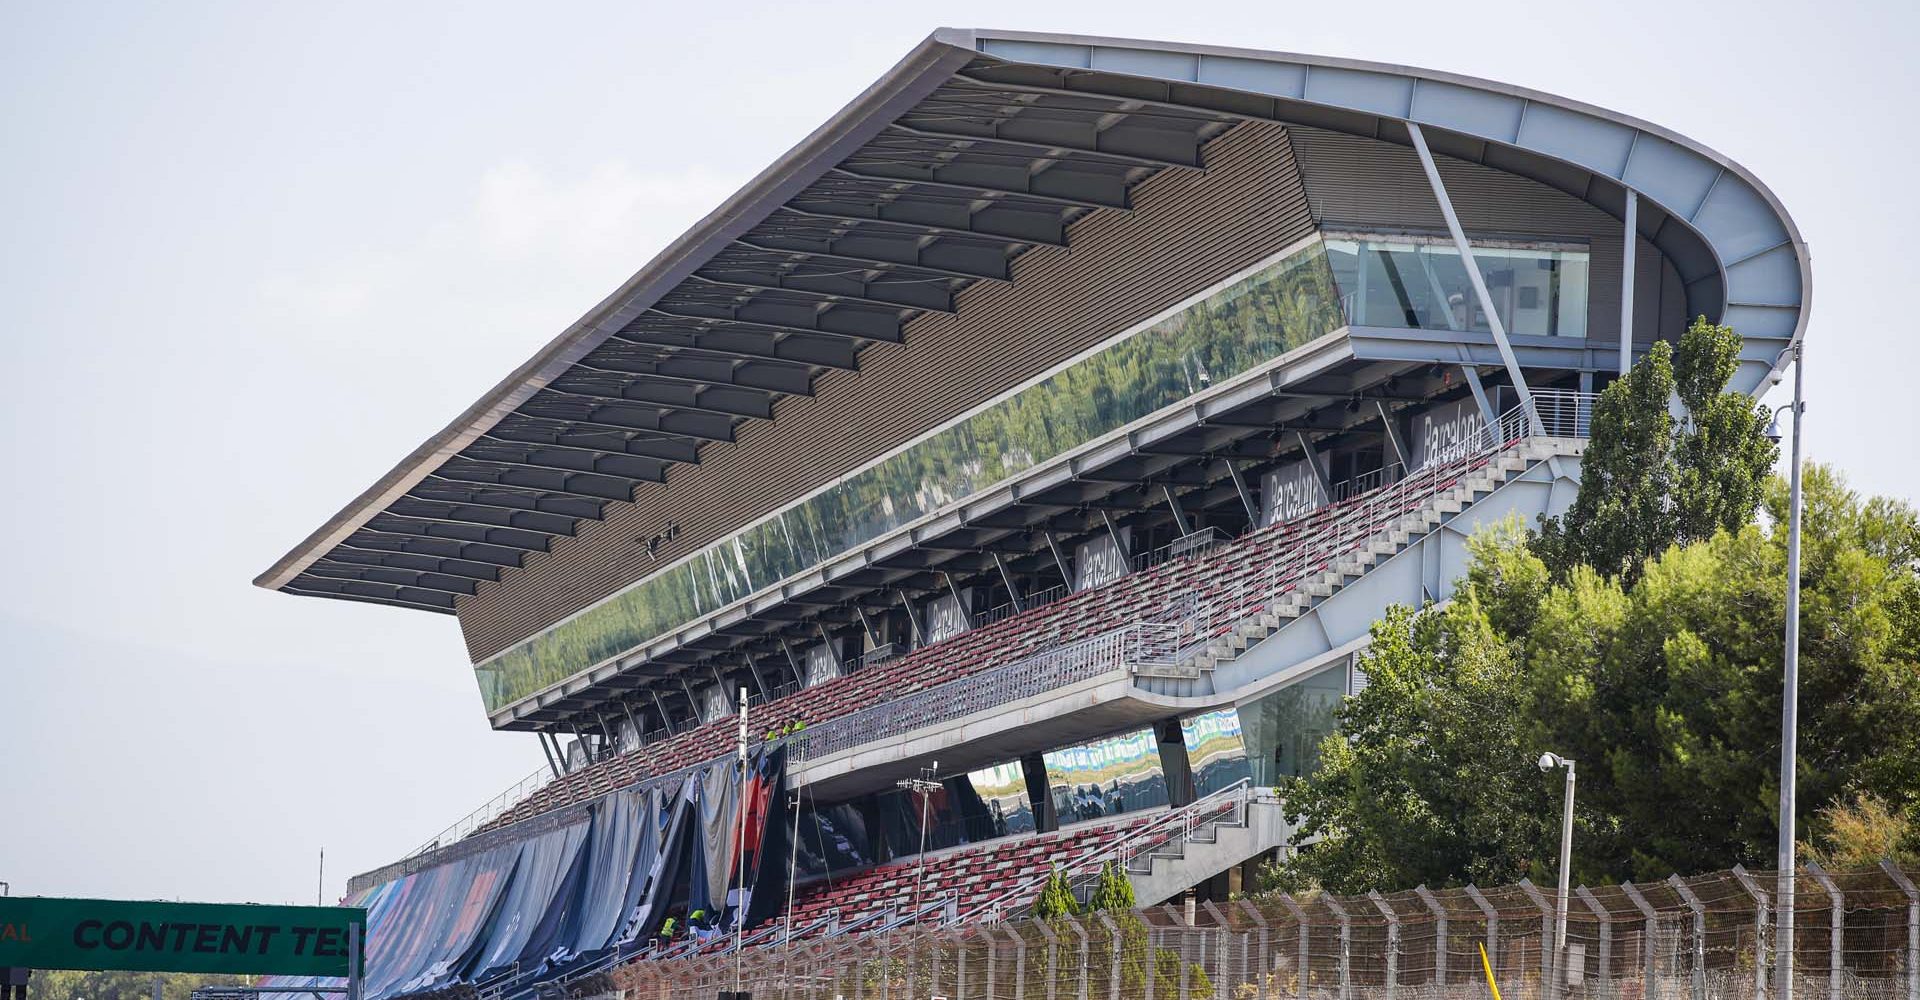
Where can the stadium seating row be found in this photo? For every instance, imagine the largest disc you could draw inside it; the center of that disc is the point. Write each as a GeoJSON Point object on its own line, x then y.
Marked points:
{"type": "Point", "coordinates": [1234, 579]}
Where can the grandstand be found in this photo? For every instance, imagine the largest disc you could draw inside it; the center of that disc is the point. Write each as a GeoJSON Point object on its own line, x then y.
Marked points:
{"type": "Point", "coordinates": [1034, 445]}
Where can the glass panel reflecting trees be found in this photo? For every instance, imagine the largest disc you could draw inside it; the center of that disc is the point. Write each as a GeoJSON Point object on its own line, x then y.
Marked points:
{"type": "Point", "coordinates": [1420, 283]}
{"type": "Point", "coordinates": [1283, 305]}
{"type": "Point", "coordinates": [1119, 774]}
{"type": "Point", "coordinates": [1282, 731]}
{"type": "Point", "coordinates": [1215, 750]}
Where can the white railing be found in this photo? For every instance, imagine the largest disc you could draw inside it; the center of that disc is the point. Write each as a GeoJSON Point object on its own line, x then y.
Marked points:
{"type": "Point", "coordinates": [1336, 533]}
{"type": "Point", "coordinates": [1070, 663]}
{"type": "Point", "coordinates": [1562, 413]}
{"type": "Point", "coordinates": [489, 811]}
{"type": "Point", "coordinates": [1228, 805]}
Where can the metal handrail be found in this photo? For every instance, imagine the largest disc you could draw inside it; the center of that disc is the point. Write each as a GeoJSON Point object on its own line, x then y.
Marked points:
{"type": "Point", "coordinates": [1562, 413]}
{"type": "Point", "coordinates": [1183, 820]}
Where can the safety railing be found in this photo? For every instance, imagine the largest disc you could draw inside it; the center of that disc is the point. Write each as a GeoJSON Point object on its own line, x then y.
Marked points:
{"type": "Point", "coordinates": [1353, 524]}
{"type": "Point", "coordinates": [487, 812]}
{"type": "Point", "coordinates": [1085, 659]}
{"type": "Point", "coordinates": [1226, 806]}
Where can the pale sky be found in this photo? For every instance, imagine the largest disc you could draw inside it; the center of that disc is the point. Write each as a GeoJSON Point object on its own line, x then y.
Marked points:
{"type": "Point", "coordinates": [251, 254]}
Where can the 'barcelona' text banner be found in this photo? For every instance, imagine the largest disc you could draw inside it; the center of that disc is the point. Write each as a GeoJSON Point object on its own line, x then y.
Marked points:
{"type": "Point", "coordinates": [38, 932]}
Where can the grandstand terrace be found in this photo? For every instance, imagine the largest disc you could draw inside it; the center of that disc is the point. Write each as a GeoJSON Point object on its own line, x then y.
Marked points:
{"type": "Point", "coordinates": [1033, 445]}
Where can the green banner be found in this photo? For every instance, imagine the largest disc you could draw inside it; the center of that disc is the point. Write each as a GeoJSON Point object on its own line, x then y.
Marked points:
{"type": "Point", "coordinates": [38, 932]}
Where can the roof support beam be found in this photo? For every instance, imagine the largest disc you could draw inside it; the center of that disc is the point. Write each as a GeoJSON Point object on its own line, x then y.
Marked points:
{"type": "Point", "coordinates": [664, 449]}
{"type": "Point", "coordinates": [323, 570]}
{"type": "Point", "coordinates": [480, 478]}
{"type": "Point", "coordinates": [734, 378]}
{"type": "Point", "coordinates": [1051, 150]}
{"type": "Point", "coordinates": [928, 227]}
{"type": "Point", "coordinates": [396, 601]}
{"type": "Point", "coordinates": [457, 530]}
{"type": "Point", "coordinates": [449, 548]}
{"type": "Point", "coordinates": [1474, 276]}
{"type": "Point", "coordinates": [648, 417]}
{"type": "Point", "coordinates": [890, 266]}
{"type": "Point", "coordinates": [866, 299]}
{"type": "Point", "coordinates": [778, 328]}
{"type": "Point", "coordinates": [505, 491]}
{"type": "Point", "coordinates": [982, 190]}
{"type": "Point", "coordinates": [552, 523]}
{"type": "Point", "coordinates": [698, 405]}
{"type": "Point", "coordinates": [665, 339]}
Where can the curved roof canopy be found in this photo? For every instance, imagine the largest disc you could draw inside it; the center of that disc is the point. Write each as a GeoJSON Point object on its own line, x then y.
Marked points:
{"type": "Point", "coordinates": [975, 147]}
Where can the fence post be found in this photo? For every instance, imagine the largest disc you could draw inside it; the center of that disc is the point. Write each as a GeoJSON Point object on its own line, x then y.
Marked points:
{"type": "Point", "coordinates": [1300, 922]}
{"type": "Point", "coordinates": [1699, 935]}
{"type": "Point", "coordinates": [1053, 949]}
{"type": "Point", "coordinates": [1393, 941]}
{"type": "Point", "coordinates": [1600, 913]}
{"type": "Point", "coordinates": [1439, 934]}
{"type": "Point", "coordinates": [1262, 966]}
{"type": "Point", "coordinates": [1837, 922]}
{"type": "Point", "coordinates": [1221, 931]}
{"type": "Point", "coordinates": [1019, 964]}
{"type": "Point", "coordinates": [1913, 925]}
{"type": "Point", "coordinates": [1113, 953]}
{"type": "Point", "coordinates": [1346, 946]}
{"type": "Point", "coordinates": [1648, 939]}
{"type": "Point", "coordinates": [1760, 908]}
{"type": "Point", "coordinates": [993, 958]}
{"type": "Point", "coordinates": [1079, 927]}
{"type": "Point", "coordinates": [1493, 926]}
{"type": "Point", "coordinates": [1549, 962]}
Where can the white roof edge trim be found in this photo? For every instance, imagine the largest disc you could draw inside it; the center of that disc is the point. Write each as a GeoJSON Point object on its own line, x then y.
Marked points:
{"type": "Point", "coordinates": [983, 40]}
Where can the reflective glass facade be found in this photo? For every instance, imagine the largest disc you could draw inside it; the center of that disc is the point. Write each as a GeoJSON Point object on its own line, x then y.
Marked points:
{"type": "Point", "coordinates": [1216, 752]}
{"type": "Point", "coordinates": [1283, 305]}
{"type": "Point", "coordinates": [1415, 282]}
{"type": "Point", "coordinates": [1119, 774]}
{"type": "Point", "coordinates": [1282, 731]}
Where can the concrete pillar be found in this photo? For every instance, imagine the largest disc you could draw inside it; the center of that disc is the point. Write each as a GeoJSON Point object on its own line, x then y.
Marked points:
{"type": "Point", "coordinates": [1039, 796]}
{"type": "Point", "coordinates": [1174, 765]}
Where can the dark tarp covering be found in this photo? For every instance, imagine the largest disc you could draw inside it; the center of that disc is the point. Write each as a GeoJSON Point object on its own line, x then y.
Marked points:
{"type": "Point", "coordinates": [529, 910]}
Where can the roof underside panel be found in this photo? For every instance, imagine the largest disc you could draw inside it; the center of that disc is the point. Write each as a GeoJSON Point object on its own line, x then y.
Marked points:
{"type": "Point", "coordinates": [976, 148]}
{"type": "Point", "coordinates": [944, 195]}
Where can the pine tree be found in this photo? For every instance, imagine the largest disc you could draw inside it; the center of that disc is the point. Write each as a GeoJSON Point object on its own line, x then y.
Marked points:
{"type": "Point", "coordinates": [1056, 897]}
{"type": "Point", "coordinates": [1114, 894]}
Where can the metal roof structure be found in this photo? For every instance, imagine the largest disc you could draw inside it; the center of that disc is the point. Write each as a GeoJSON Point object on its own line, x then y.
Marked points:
{"type": "Point", "coordinates": [974, 148]}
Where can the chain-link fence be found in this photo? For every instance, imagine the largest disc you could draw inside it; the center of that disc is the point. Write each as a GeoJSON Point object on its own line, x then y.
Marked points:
{"type": "Point", "coordinates": [1712, 937]}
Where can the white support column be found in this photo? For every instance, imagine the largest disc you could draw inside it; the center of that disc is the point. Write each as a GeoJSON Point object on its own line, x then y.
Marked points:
{"type": "Point", "coordinates": [1173, 504]}
{"type": "Point", "coordinates": [1393, 434]}
{"type": "Point", "coordinates": [1488, 417]}
{"type": "Point", "coordinates": [1013, 592]}
{"type": "Point", "coordinates": [1628, 248]}
{"type": "Point", "coordinates": [1474, 276]}
{"type": "Point", "coordinates": [1319, 471]}
{"type": "Point", "coordinates": [1240, 487]}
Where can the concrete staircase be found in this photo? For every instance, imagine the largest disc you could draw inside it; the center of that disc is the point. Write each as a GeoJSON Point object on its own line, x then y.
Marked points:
{"type": "Point", "coordinates": [1185, 860]}
{"type": "Point", "coordinates": [1381, 536]}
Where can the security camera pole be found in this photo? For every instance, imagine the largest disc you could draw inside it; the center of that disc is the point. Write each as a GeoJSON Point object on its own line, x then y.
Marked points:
{"type": "Point", "coordinates": [1547, 762]}
{"type": "Point", "coordinates": [1789, 702]}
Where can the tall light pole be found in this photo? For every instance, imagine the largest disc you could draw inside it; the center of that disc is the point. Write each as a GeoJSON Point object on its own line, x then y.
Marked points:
{"type": "Point", "coordinates": [1547, 762]}
{"type": "Point", "coordinates": [1790, 701]}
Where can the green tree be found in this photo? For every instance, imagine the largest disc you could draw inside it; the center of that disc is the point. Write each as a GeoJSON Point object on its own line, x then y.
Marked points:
{"type": "Point", "coordinates": [1665, 687]}
{"type": "Point", "coordinates": [1430, 778]}
{"type": "Point", "coordinates": [1056, 897]}
{"type": "Point", "coordinates": [1647, 482]}
{"type": "Point", "coordinates": [1114, 893]}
